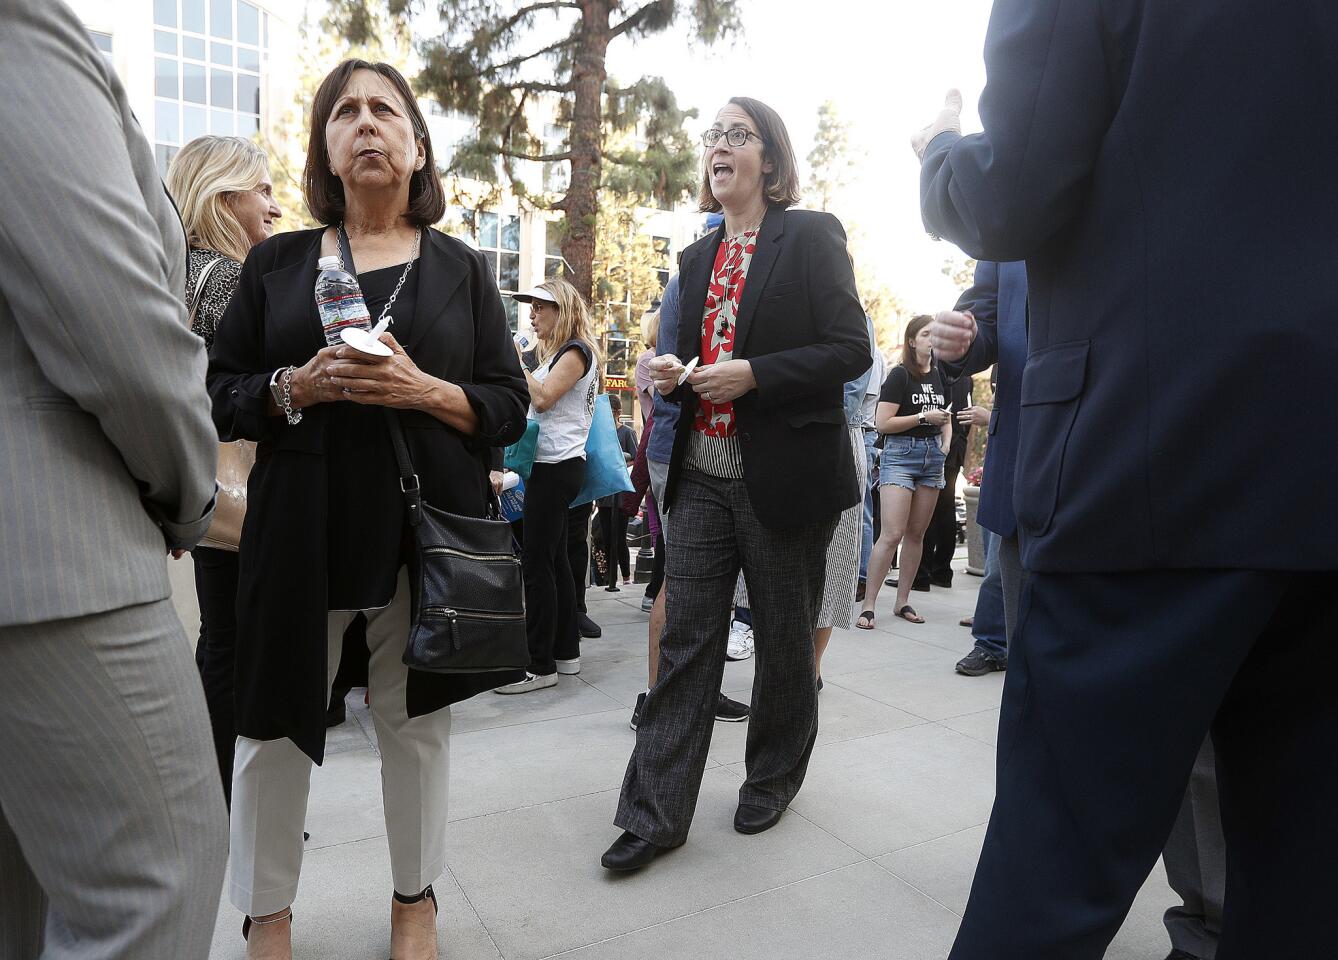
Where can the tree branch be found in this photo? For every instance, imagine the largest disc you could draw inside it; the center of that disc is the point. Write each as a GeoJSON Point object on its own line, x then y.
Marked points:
{"type": "Point", "coordinates": [525, 11]}
{"type": "Point", "coordinates": [541, 158]}
{"type": "Point", "coordinates": [634, 21]}
{"type": "Point", "coordinates": [517, 61]}
{"type": "Point", "coordinates": [535, 87]}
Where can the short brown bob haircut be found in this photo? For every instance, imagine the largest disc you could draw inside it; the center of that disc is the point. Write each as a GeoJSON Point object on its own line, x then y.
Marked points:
{"type": "Point", "coordinates": [781, 185]}
{"type": "Point", "coordinates": [324, 192]}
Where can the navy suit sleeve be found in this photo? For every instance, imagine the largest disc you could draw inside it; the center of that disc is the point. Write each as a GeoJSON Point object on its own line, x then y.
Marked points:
{"type": "Point", "coordinates": [982, 299]}
{"type": "Point", "coordinates": [842, 351]}
{"type": "Point", "coordinates": [1000, 194]}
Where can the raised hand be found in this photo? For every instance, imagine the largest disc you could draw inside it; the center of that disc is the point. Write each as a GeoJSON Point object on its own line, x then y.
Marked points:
{"type": "Point", "coordinates": [952, 334]}
{"type": "Point", "coordinates": [948, 119]}
{"type": "Point", "coordinates": [664, 373]}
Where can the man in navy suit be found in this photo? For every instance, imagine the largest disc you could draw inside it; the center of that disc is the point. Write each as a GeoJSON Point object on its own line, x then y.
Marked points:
{"type": "Point", "coordinates": [1173, 197]}
{"type": "Point", "coordinates": [996, 332]}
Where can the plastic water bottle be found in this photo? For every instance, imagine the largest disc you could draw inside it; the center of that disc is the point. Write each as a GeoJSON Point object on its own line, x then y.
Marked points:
{"type": "Point", "coordinates": [339, 301]}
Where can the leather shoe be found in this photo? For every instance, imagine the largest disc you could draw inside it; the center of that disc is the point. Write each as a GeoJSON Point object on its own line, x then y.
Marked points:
{"type": "Point", "coordinates": [587, 627]}
{"type": "Point", "coordinates": [750, 818]}
{"type": "Point", "coordinates": [630, 852]}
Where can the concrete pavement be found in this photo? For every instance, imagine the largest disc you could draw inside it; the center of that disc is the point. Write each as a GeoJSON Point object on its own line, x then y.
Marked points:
{"type": "Point", "coordinates": [874, 858]}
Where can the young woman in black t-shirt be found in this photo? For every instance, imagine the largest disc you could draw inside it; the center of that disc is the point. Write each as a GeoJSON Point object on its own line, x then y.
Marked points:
{"type": "Point", "coordinates": [913, 416]}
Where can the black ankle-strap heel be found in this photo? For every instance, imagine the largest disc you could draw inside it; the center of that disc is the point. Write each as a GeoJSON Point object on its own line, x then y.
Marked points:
{"type": "Point", "coordinates": [246, 924]}
{"type": "Point", "coordinates": [427, 894]}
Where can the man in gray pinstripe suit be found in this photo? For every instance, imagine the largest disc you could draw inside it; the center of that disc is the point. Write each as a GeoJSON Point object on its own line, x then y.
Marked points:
{"type": "Point", "coordinates": [112, 828]}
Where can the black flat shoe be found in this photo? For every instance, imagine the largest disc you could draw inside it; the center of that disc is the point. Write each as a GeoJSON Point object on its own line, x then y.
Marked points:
{"type": "Point", "coordinates": [587, 627]}
{"type": "Point", "coordinates": [630, 852]}
{"type": "Point", "coordinates": [750, 818]}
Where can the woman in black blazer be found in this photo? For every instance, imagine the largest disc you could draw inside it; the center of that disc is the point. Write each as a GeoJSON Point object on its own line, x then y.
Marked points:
{"type": "Point", "coordinates": [325, 529]}
{"type": "Point", "coordinates": [761, 468]}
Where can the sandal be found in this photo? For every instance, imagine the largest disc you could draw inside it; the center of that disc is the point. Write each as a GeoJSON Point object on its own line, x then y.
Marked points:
{"type": "Point", "coordinates": [865, 620]}
{"type": "Point", "coordinates": [427, 894]}
{"type": "Point", "coordinates": [907, 613]}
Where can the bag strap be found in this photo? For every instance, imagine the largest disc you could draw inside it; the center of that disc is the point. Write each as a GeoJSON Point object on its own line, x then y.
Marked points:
{"type": "Point", "coordinates": [413, 496]}
{"type": "Point", "coordinates": [196, 294]}
{"type": "Point", "coordinates": [409, 486]}
{"type": "Point", "coordinates": [346, 251]}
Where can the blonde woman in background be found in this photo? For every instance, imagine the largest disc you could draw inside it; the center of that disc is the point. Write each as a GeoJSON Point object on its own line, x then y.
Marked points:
{"type": "Point", "coordinates": [562, 400]}
{"type": "Point", "coordinates": [645, 383]}
{"type": "Point", "coordinates": [222, 188]}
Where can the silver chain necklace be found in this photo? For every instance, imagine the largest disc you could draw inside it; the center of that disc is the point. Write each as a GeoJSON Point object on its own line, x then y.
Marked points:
{"type": "Point", "coordinates": [413, 255]}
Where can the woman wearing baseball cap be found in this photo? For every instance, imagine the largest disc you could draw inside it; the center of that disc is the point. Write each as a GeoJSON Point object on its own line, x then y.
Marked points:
{"type": "Point", "coordinates": [562, 400]}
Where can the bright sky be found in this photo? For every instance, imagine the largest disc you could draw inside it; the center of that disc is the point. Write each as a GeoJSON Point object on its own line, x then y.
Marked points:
{"type": "Point", "coordinates": [886, 64]}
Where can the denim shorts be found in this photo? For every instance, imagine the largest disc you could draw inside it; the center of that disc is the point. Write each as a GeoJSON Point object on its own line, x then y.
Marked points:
{"type": "Point", "coordinates": [911, 462]}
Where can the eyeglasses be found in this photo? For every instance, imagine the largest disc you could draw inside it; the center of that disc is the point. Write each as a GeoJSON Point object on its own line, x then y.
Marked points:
{"type": "Point", "coordinates": [734, 136]}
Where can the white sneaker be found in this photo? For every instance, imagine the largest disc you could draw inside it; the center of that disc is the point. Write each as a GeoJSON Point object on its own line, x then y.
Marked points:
{"type": "Point", "coordinates": [569, 668]}
{"type": "Point", "coordinates": [740, 645]}
{"type": "Point", "coordinates": [531, 682]}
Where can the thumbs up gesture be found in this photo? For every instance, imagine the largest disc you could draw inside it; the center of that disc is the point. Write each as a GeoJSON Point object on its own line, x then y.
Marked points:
{"type": "Point", "coordinates": [948, 119]}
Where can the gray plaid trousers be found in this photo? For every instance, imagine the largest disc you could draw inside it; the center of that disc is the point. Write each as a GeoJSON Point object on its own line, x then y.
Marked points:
{"type": "Point", "coordinates": [714, 534]}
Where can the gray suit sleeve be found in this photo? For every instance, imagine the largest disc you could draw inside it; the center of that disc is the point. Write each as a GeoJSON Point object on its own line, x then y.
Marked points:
{"type": "Point", "coordinates": [86, 272]}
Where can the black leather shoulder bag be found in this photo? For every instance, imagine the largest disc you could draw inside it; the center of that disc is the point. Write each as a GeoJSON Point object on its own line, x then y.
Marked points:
{"type": "Point", "coordinates": [467, 593]}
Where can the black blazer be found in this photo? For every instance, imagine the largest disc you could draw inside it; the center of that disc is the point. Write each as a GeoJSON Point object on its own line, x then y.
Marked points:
{"type": "Point", "coordinates": [1174, 199]}
{"type": "Point", "coordinates": [802, 328]}
{"type": "Point", "coordinates": [459, 334]}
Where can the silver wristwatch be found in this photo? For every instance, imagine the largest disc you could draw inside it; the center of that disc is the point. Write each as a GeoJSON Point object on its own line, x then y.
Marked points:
{"type": "Point", "coordinates": [281, 388]}
{"type": "Point", "coordinates": [924, 421]}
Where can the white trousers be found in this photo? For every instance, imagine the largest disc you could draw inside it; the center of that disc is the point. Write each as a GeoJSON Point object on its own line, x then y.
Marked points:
{"type": "Point", "coordinates": [272, 778]}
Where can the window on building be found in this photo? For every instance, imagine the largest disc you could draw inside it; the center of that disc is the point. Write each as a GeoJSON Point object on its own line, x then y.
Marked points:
{"type": "Point", "coordinates": [557, 174]}
{"type": "Point", "coordinates": [615, 356]}
{"type": "Point", "coordinates": [663, 259]}
{"type": "Point", "coordinates": [554, 265]}
{"type": "Point", "coordinates": [102, 41]}
{"type": "Point", "coordinates": [206, 71]}
{"type": "Point", "coordinates": [498, 236]}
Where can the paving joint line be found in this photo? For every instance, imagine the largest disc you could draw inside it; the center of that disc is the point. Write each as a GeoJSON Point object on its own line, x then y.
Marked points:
{"type": "Point", "coordinates": [715, 906]}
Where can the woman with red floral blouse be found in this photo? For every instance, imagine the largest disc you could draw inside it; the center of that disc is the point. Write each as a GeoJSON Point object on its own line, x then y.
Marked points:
{"type": "Point", "coordinates": [760, 471]}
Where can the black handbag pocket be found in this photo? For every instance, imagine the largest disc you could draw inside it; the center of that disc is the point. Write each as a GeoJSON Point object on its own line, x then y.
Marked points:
{"type": "Point", "coordinates": [467, 641]}
{"type": "Point", "coordinates": [470, 611]}
{"type": "Point", "coordinates": [1052, 386]}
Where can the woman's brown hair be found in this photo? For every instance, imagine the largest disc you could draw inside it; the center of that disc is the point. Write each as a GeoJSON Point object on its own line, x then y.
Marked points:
{"type": "Point", "coordinates": [324, 192]}
{"type": "Point", "coordinates": [781, 185]}
{"type": "Point", "coordinates": [908, 358]}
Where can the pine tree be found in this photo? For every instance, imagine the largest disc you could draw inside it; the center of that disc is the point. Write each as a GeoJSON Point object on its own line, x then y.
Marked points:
{"type": "Point", "coordinates": [496, 58]}
{"type": "Point", "coordinates": [829, 161]}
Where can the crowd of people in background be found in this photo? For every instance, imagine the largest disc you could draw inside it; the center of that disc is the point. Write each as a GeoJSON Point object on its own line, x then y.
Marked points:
{"type": "Point", "coordinates": [783, 463]}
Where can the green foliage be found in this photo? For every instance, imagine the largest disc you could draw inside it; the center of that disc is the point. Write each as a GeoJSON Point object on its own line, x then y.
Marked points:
{"type": "Point", "coordinates": [829, 161]}
{"type": "Point", "coordinates": [364, 23]}
{"type": "Point", "coordinates": [961, 271]}
{"type": "Point", "coordinates": [493, 60]}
